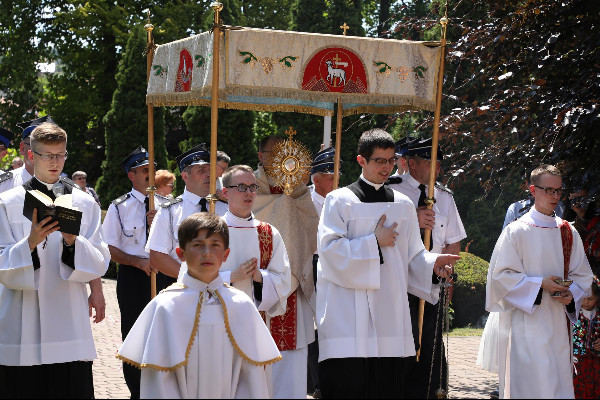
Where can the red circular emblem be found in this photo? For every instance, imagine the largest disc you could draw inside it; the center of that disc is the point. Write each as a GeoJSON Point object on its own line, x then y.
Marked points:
{"type": "Point", "coordinates": [183, 82]}
{"type": "Point", "coordinates": [335, 69]}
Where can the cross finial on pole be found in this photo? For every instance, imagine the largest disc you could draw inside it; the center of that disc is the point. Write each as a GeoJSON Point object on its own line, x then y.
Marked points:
{"type": "Point", "coordinates": [344, 28]}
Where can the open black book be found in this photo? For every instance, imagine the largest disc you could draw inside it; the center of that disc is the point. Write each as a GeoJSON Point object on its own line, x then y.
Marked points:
{"type": "Point", "coordinates": [61, 210]}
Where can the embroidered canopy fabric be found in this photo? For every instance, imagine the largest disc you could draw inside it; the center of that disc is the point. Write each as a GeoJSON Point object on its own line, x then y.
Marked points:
{"type": "Point", "coordinates": [302, 72]}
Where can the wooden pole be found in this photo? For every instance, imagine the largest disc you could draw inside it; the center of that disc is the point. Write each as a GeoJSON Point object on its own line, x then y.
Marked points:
{"type": "Point", "coordinates": [151, 188]}
{"type": "Point", "coordinates": [214, 102]}
{"type": "Point", "coordinates": [430, 201]}
{"type": "Point", "coordinates": [338, 145]}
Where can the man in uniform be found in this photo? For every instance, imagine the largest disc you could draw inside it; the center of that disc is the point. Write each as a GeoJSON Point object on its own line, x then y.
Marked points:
{"type": "Point", "coordinates": [447, 232]}
{"type": "Point", "coordinates": [21, 175]}
{"type": "Point", "coordinates": [5, 138]}
{"type": "Point", "coordinates": [126, 228]}
{"type": "Point", "coordinates": [297, 221]}
{"type": "Point", "coordinates": [321, 175]}
{"type": "Point", "coordinates": [194, 166]}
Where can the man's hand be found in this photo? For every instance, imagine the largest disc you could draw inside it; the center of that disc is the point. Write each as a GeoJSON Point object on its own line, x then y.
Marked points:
{"type": "Point", "coordinates": [549, 284]}
{"type": "Point", "coordinates": [150, 217]}
{"type": "Point", "coordinates": [244, 270]}
{"type": "Point", "coordinates": [40, 230]}
{"type": "Point", "coordinates": [69, 239]}
{"type": "Point", "coordinates": [444, 264]}
{"type": "Point", "coordinates": [97, 302]}
{"type": "Point", "coordinates": [144, 265]}
{"type": "Point", "coordinates": [565, 298]}
{"type": "Point", "coordinates": [426, 217]}
{"type": "Point", "coordinates": [385, 236]}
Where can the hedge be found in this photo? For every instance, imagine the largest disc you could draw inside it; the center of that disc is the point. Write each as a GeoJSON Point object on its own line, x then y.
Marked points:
{"type": "Point", "coordinates": [468, 300]}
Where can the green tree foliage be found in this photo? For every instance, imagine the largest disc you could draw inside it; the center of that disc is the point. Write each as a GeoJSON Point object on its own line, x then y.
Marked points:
{"type": "Point", "coordinates": [19, 53]}
{"type": "Point", "coordinates": [268, 14]}
{"type": "Point", "coordinates": [126, 122]}
{"type": "Point", "coordinates": [468, 300]}
{"type": "Point", "coordinates": [345, 11]}
{"type": "Point", "coordinates": [308, 16]}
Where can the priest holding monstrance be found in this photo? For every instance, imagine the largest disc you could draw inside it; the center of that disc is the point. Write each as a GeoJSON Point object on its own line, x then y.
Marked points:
{"type": "Point", "coordinates": [370, 256]}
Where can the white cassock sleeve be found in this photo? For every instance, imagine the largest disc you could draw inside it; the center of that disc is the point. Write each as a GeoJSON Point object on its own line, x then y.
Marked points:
{"type": "Point", "coordinates": [16, 264]}
{"type": "Point", "coordinates": [351, 263]}
{"type": "Point", "coordinates": [277, 279]}
{"type": "Point", "coordinates": [91, 252]}
{"type": "Point", "coordinates": [252, 382]}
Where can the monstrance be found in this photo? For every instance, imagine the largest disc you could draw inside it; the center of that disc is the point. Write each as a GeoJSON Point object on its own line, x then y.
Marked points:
{"type": "Point", "coordinates": [288, 163]}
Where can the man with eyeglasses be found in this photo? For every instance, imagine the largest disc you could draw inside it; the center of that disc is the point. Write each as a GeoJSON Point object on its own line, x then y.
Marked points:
{"type": "Point", "coordinates": [21, 175]}
{"type": "Point", "coordinates": [534, 261]}
{"type": "Point", "coordinates": [370, 256]}
{"type": "Point", "coordinates": [194, 166]}
{"type": "Point", "coordinates": [126, 226]}
{"type": "Point", "coordinates": [80, 178]}
{"type": "Point", "coordinates": [46, 345]}
{"type": "Point", "coordinates": [447, 232]}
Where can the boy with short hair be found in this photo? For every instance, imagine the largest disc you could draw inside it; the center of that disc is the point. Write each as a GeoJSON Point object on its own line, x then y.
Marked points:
{"type": "Point", "coordinates": [217, 351]}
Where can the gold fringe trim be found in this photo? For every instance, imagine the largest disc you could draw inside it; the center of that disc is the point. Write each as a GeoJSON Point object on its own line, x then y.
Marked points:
{"type": "Point", "coordinates": [234, 343]}
{"type": "Point", "coordinates": [187, 351]}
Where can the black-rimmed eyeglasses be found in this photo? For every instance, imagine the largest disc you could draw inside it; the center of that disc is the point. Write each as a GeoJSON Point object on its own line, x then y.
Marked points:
{"type": "Point", "coordinates": [49, 157]}
{"type": "Point", "coordinates": [383, 161]}
{"type": "Point", "coordinates": [551, 191]}
{"type": "Point", "coordinates": [242, 188]}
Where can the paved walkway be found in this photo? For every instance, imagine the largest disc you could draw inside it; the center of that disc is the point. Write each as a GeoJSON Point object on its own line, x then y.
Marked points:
{"type": "Point", "coordinates": [466, 379]}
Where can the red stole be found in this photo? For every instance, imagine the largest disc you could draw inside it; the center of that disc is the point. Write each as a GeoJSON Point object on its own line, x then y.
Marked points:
{"type": "Point", "coordinates": [567, 244]}
{"type": "Point", "coordinates": [283, 328]}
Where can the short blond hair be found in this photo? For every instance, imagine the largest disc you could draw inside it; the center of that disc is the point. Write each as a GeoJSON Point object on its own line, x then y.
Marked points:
{"type": "Point", "coordinates": [537, 173]}
{"type": "Point", "coordinates": [228, 174]}
{"type": "Point", "coordinates": [48, 133]}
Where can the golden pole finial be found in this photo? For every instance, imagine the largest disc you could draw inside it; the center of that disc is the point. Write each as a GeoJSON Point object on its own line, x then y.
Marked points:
{"type": "Point", "coordinates": [345, 28]}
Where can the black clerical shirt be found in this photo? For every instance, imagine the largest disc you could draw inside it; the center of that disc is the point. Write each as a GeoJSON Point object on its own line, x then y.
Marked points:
{"type": "Point", "coordinates": [68, 254]}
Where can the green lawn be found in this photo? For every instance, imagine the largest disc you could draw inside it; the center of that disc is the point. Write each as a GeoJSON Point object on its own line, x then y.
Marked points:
{"type": "Point", "coordinates": [466, 332]}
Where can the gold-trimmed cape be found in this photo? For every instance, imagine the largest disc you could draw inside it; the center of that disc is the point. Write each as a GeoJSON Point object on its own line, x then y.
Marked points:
{"type": "Point", "coordinates": [165, 332]}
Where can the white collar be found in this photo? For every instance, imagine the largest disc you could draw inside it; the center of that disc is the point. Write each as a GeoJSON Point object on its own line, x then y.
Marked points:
{"type": "Point", "coordinates": [589, 314]}
{"type": "Point", "coordinates": [534, 217]}
{"type": "Point", "coordinates": [411, 181]}
{"type": "Point", "coordinates": [377, 186]}
{"type": "Point", "coordinates": [200, 286]}
{"type": "Point", "coordinates": [48, 185]}
{"type": "Point", "coordinates": [191, 197]}
{"type": "Point", "coordinates": [138, 195]}
{"type": "Point", "coordinates": [234, 220]}
{"type": "Point", "coordinates": [318, 197]}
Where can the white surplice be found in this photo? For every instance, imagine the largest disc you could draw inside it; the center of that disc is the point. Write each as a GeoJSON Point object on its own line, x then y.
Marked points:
{"type": "Point", "coordinates": [362, 305]}
{"type": "Point", "coordinates": [198, 340]}
{"type": "Point", "coordinates": [534, 351]}
{"type": "Point", "coordinates": [277, 277]}
{"type": "Point", "coordinates": [44, 313]}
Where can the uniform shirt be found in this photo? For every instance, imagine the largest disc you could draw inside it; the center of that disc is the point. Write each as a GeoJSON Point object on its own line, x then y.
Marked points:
{"type": "Point", "coordinates": [318, 201]}
{"type": "Point", "coordinates": [19, 176]}
{"type": "Point", "coordinates": [448, 226]}
{"type": "Point", "coordinates": [163, 233]}
{"type": "Point", "coordinates": [125, 224]}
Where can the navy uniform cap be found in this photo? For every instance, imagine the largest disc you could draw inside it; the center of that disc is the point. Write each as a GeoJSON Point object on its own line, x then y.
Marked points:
{"type": "Point", "coordinates": [29, 126]}
{"type": "Point", "coordinates": [137, 158]}
{"type": "Point", "coordinates": [196, 156]}
{"type": "Point", "coordinates": [324, 162]}
{"type": "Point", "coordinates": [402, 145]}
{"type": "Point", "coordinates": [422, 149]}
{"type": "Point", "coordinates": [5, 136]}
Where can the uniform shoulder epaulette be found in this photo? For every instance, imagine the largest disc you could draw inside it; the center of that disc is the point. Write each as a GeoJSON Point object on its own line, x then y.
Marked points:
{"type": "Point", "coordinates": [4, 176]}
{"type": "Point", "coordinates": [69, 182]}
{"type": "Point", "coordinates": [444, 188]}
{"type": "Point", "coordinates": [121, 199]}
{"type": "Point", "coordinates": [161, 197]}
{"type": "Point", "coordinates": [393, 180]}
{"type": "Point", "coordinates": [171, 202]}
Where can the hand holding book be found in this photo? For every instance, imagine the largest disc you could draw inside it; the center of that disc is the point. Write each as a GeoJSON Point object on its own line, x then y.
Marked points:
{"type": "Point", "coordinates": [60, 210]}
{"type": "Point", "coordinates": [40, 230]}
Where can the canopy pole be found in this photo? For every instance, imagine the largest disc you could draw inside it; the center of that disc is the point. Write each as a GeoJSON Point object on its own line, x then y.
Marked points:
{"type": "Point", "coordinates": [151, 171]}
{"type": "Point", "coordinates": [430, 201]}
{"type": "Point", "coordinates": [214, 103]}
{"type": "Point", "coordinates": [338, 145]}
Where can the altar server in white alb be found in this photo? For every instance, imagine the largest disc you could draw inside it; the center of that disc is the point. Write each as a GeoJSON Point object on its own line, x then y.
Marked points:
{"type": "Point", "coordinates": [46, 343]}
{"type": "Point", "coordinates": [201, 338]}
{"type": "Point", "coordinates": [162, 242]}
{"type": "Point", "coordinates": [535, 357]}
{"type": "Point", "coordinates": [295, 218]}
{"type": "Point", "coordinates": [370, 256]}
